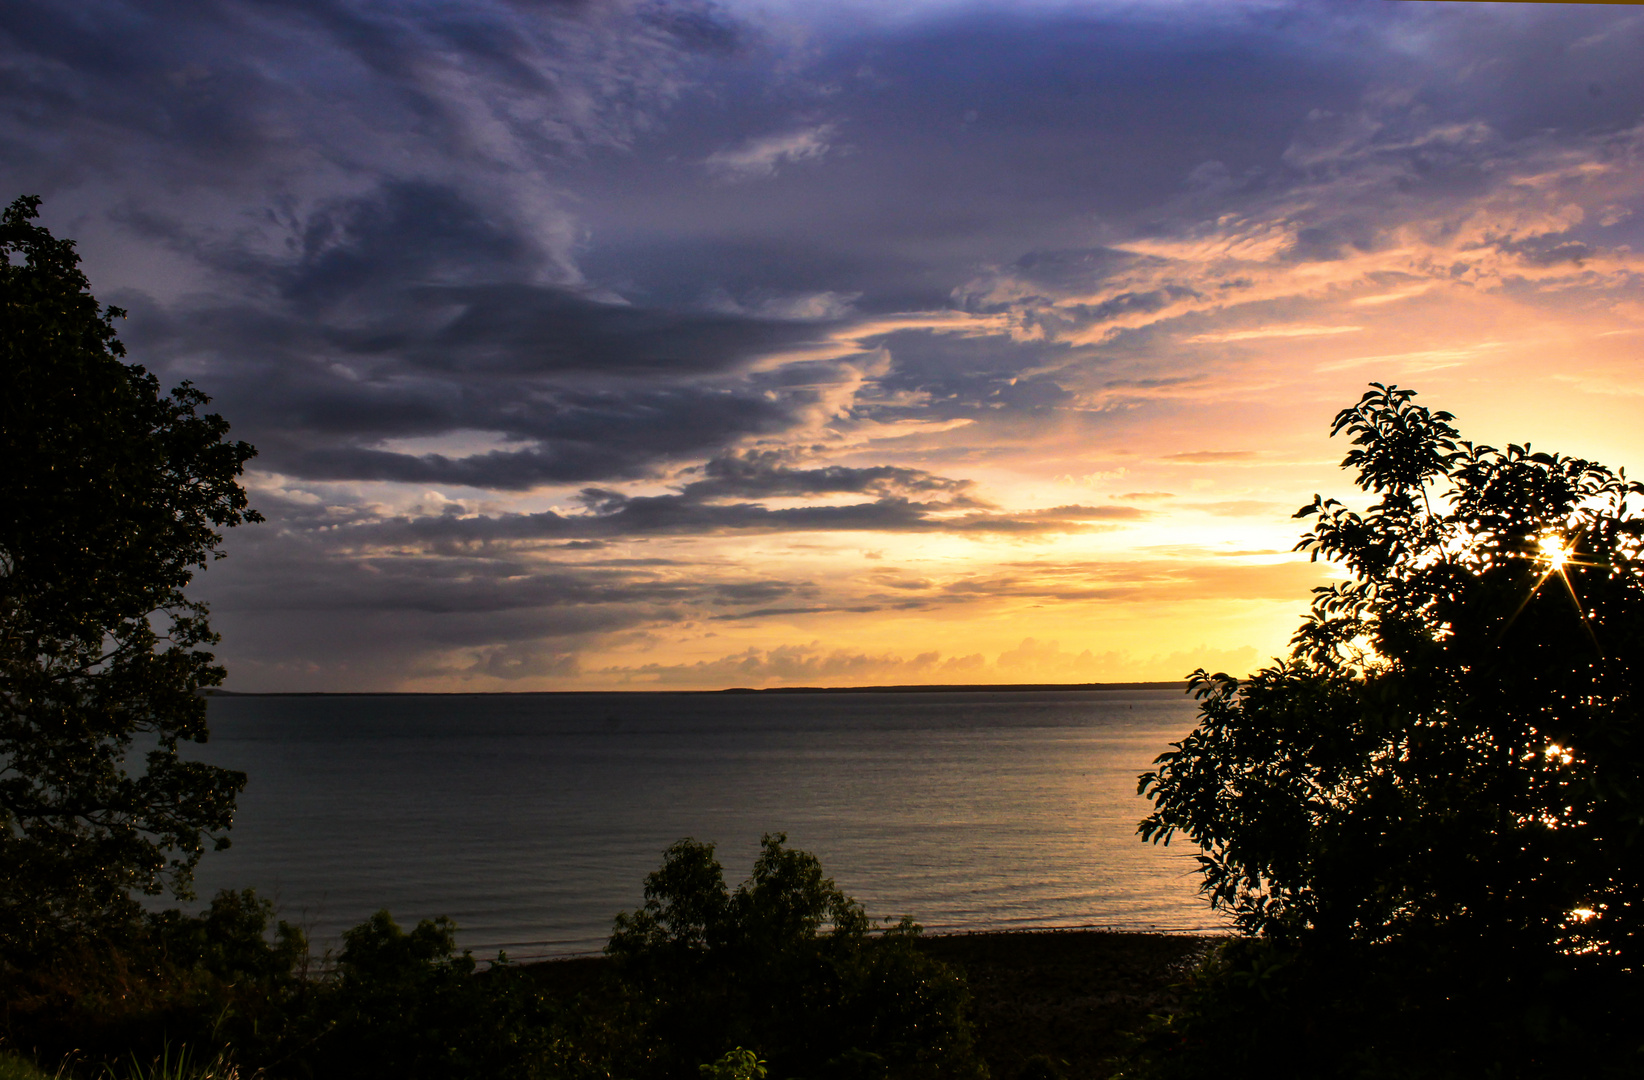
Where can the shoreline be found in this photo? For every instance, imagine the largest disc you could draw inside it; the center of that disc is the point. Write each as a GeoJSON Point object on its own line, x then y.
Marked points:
{"type": "Point", "coordinates": [1210, 933]}
{"type": "Point", "coordinates": [1077, 996]}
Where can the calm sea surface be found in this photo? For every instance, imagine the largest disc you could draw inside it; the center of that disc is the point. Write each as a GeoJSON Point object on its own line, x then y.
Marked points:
{"type": "Point", "coordinates": [533, 819]}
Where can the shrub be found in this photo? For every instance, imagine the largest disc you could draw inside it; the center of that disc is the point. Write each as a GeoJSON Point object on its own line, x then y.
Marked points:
{"type": "Point", "coordinates": [786, 966]}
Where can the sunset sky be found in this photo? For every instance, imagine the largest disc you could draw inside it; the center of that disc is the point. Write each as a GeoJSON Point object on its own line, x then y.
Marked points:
{"type": "Point", "coordinates": [619, 344]}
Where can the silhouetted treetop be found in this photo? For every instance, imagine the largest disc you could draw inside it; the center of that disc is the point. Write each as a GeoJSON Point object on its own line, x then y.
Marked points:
{"type": "Point", "coordinates": [1449, 768]}
{"type": "Point", "coordinates": [111, 497]}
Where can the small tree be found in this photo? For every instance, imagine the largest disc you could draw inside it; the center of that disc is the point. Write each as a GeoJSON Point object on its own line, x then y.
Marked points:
{"type": "Point", "coordinates": [110, 497]}
{"type": "Point", "coordinates": [1444, 784]}
{"type": "Point", "coordinates": [786, 967]}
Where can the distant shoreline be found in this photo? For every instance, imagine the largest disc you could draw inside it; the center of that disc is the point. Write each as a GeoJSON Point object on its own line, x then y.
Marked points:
{"type": "Point", "coordinates": [934, 688]}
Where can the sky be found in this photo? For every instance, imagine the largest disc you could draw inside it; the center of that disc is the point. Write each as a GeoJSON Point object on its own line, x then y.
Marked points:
{"type": "Point", "coordinates": [605, 344]}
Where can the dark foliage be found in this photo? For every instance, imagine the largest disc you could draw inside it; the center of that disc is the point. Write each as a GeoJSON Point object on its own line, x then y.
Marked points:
{"type": "Point", "coordinates": [1063, 1001]}
{"type": "Point", "coordinates": [785, 966]}
{"type": "Point", "coordinates": [1429, 817]}
{"type": "Point", "coordinates": [403, 1006]}
{"type": "Point", "coordinates": [223, 978]}
{"type": "Point", "coordinates": [110, 497]}
{"type": "Point", "coordinates": [394, 1004]}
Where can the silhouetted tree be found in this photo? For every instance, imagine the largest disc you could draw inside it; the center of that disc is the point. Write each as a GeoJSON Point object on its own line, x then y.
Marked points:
{"type": "Point", "coordinates": [786, 967]}
{"type": "Point", "coordinates": [110, 497]}
{"type": "Point", "coordinates": [1431, 817]}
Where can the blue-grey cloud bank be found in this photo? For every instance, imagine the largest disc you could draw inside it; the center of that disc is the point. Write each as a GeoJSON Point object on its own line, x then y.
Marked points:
{"type": "Point", "coordinates": [601, 343]}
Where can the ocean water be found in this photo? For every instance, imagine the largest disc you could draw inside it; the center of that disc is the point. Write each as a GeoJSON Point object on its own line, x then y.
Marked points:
{"type": "Point", "coordinates": [533, 819]}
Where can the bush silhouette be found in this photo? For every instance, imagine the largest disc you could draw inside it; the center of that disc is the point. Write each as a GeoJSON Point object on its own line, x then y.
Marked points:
{"type": "Point", "coordinates": [785, 966]}
{"type": "Point", "coordinates": [1428, 817]}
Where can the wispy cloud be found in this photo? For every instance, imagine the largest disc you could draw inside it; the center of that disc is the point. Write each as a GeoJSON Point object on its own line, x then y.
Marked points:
{"type": "Point", "coordinates": [763, 156]}
{"type": "Point", "coordinates": [1270, 332]}
{"type": "Point", "coordinates": [1211, 457]}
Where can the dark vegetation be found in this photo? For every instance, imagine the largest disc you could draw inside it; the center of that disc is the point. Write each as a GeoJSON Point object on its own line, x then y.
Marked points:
{"type": "Point", "coordinates": [662, 1003]}
{"type": "Point", "coordinates": [1428, 822]}
{"type": "Point", "coordinates": [1066, 1003]}
{"type": "Point", "coordinates": [112, 493]}
{"type": "Point", "coordinates": [785, 966]}
{"type": "Point", "coordinates": [708, 970]}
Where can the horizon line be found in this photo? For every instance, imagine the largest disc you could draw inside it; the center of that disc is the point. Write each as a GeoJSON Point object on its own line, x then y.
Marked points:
{"type": "Point", "coordinates": [908, 688]}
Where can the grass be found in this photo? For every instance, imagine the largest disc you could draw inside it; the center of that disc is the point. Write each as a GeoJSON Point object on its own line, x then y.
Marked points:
{"type": "Point", "coordinates": [179, 1065]}
{"type": "Point", "coordinates": [16, 1067]}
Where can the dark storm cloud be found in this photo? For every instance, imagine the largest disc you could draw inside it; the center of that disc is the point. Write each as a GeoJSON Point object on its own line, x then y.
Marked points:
{"type": "Point", "coordinates": [453, 585]}
{"type": "Point", "coordinates": [125, 73]}
{"type": "Point", "coordinates": [301, 619]}
{"type": "Point", "coordinates": [596, 389]}
{"type": "Point", "coordinates": [759, 270]}
{"type": "Point", "coordinates": [239, 85]}
{"type": "Point", "coordinates": [526, 330]}
{"type": "Point", "coordinates": [313, 421]}
{"type": "Point", "coordinates": [401, 236]}
{"type": "Point", "coordinates": [614, 514]}
{"type": "Point", "coordinates": [286, 598]}
{"type": "Point", "coordinates": [700, 509]}
{"type": "Point", "coordinates": [432, 300]}
{"type": "Point", "coordinates": [419, 275]}
{"type": "Point", "coordinates": [763, 475]}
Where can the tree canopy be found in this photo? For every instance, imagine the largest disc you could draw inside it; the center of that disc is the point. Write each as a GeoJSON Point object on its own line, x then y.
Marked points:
{"type": "Point", "coordinates": [112, 494]}
{"type": "Point", "coordinates": [785, 966]}
{"type": "Point", "coordinates": [1447, 775]}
